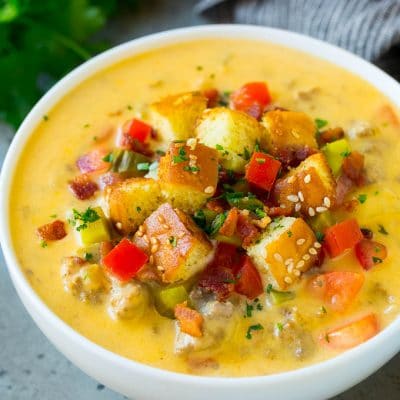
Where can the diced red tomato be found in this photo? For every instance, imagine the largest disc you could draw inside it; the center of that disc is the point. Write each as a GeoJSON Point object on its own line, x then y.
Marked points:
{"type": "Point", "coordinates": [93, 162]}
{"type": "Point", "coordinates": [351, 334]}
{"type": "Point", "coordinates": [252, 98]}
{"type": "Point", "coordinates": [125, 260]}
{"type": "Point", "coordinates": [337, 288]}
{"type": "Point", "coordinates": [248, 280]}
{"type": "Point", "coordinates": [342, 236]}
{"type": "Point", "coordinates": [370, 253]}
{"type": "Point", "coordinates": [262, 170]}
{"type": "Point", "coordinates": [139, 130]}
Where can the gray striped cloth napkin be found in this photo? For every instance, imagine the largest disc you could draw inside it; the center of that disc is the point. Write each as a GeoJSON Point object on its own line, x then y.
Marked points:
{"type": "Point", "coordinates": [368, 28]}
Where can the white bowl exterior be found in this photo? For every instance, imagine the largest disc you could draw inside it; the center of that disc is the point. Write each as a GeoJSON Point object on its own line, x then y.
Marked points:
{"type": "Point", "coordinates": [140, 381]}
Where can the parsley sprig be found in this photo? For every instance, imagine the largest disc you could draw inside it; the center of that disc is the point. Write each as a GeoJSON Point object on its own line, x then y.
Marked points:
{"type": "Point", "coordinates": [80, 220]}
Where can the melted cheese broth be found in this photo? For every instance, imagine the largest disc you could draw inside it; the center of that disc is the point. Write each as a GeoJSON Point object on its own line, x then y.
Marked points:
{"type": "Point", "coordinates": [96, 107]}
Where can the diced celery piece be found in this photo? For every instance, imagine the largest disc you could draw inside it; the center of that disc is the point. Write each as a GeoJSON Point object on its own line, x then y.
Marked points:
{"type": "Point", "coordinates": [96, 231]}
{"type": "Point", "coordinates": [279, 297]}
{"type": "Point", "coordinates": [335, 152]}
{"type": "Point", "coordinates": [229, 239]}
{"type": "Point", "coordinates": [126, 162]}
{"type": "Point", "coordinates": [168, 298]}
{"type": "Point", "coordinates": [90, 253]}
{"type": "Point", "coordinates": [244, 202]}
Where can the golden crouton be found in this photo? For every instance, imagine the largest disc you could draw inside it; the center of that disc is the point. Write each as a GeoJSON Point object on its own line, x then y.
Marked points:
{"type": "Point", "coordinates": [174, 117]}
{"type": "Point", "coordinates": [286, 250]}
{"type": "Point", "coordinates": [188, 175]}
{"type": "Point", "coordinates": [131, 201]}
{"type": "Point", "coordinates": [233, 133]}
{"type": "Point", "coordinates": [308, 189]}
{"type": "Point", "coordinates": [178, 249]}
{"type": "Point", "coordinates": [288, 130]}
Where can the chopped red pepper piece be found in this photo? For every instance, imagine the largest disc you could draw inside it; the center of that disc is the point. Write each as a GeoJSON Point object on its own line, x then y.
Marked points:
{"type": "Point", "coordinates": [370, 253]}
{"type": "Point", "coordinates": [139, 130]}
{"type": "Point", "coordinates": [262, 170]}
{"type": "Point", "coordinates": [125, 260]}
{"type": "Point", "coordinates": [248, 280]}
{"type": "Point", "coordinates": [342, 236]}
{"type": "Point", "coordinates": [252, 98]}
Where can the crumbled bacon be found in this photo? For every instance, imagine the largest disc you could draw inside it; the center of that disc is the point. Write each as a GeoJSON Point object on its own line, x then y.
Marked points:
{"type": "Point", "coordinates": [92, 162]}
{"type": "Point", "coordinates": [53, 231]}
{"type": "Point", "coordinates": [343, 187]}
{"type": "Point", "coordinates": [279, 212]}
{"type": "Point", "coordinates": [129, 143]}
{"type": "Point", "coordinates": [110, 178]}
{"type": "Point", "coordinates": [246, 230]}
{"type": "Point", "coordinates": [212, 96]}
{"type": "Point", "coordinates": [353, 167]}
{"type": "Point", "coordinates": [229, 226]}
{"type": "Point", "coordinates": [330, 135]}
{"type": "Point", "coordinates": [82, 187]}
{"type": "Point", "coordinates": [293, 157]}
{"type": "Point", "coordinates": [216, 205]}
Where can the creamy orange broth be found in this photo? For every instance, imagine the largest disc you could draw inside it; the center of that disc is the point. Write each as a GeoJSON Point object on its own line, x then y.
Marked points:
{"type": "Point", "coordinates": [122, 91]}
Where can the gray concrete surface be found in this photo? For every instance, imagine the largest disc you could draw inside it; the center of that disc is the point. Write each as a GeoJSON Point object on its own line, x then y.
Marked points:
{"type": "Point", "coordinates": [30, 367]}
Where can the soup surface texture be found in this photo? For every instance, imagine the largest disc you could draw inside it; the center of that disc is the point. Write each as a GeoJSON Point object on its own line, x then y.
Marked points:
{"type": "Point", "coordinates": [288, 325]}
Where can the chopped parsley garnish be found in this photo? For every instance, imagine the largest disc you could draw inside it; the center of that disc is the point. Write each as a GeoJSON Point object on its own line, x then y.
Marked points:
{"type": "Point", "coordinates": [321, 123]}
{"type": "Point", "coordinates": [260, 213]}
{"type": "Point", "coordinates": [173, 241]}
{"type": "Point", "coordinates": [200, 219]}
{"type": "Point", "coordinates": [260, 160]}
{"type": "Point", "coordinates": [88, 256]}
{"type": "Point", "coordinates": [217, 223]}
{"type": "Point", "coordinates": [251, 328]}
{"type": "Point", "coordinates": [345, 154]}
{"type": "Point", "coordinates": [320, 236]}
{"type": "Point", "coordinates": [246, 154]}
{"type": "Point", "coordinates": [382, 230]}
{"type": "Point", "coordinates": [144, 166]}
{"type": "Point", "coordinates": [269, 288]}
{"type": "Point", "coordinates": [377, 260]}
{"type": "Point", "coordinates": [224, 98]}
{"type": "Point", "coordinates": [290, 233]}
{"type": "Point", "coordinates": [86, 125]}
{"type": "Point", "coordinates": [43, 244]}
{"type": "Point", "coordinates": [108, 158]}
{"type": "Point", "coordinates": [53, 216]}
{"type": "Point", "coordinates": [88, 216]}
{"type": "Point", "coordinates": [138, 209]}
{"type": "Point", "coordinates": [94, 138]}
{"type": "Point", "coordinates": [259, 306]}
{"type": "Point", "coordinates": [45, 117]}
{"type": "Point", "coordinates": [362, 198]}
{"type": "Point", "coordinates": [220, 148]}
{"type": "Point", "coordinates": [199, 68]}
{"type": "Point", "coordinates": [181, 157]}
{"type": "Point", "coordinates": [249, 310]}
{"type": "Point", "coordinates": [129, 107]}
{"type": "Point", "coordinates": [279, 326]}
{"type": "Point", "coordinates": [323, 310]}
{"type": "Point", "coordinates": [191, 168]}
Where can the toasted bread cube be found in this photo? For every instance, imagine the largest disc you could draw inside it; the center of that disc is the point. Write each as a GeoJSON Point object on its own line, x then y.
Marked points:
{"type": "Point", "coordinates": [287, 249]}
{"type": "Point", "coordinates": [308, 189]}
{"type": "Point", "coordinates": [178, 249]}
{"type": "Point", "coordinates": [288, 130]}
{"type": "Point", "coordinates": [174, 117]}
{"type": "Point", "coordinates": [131, 201]}
{"type": "Point", "coordinates": [233, 133]}
{"type": "Point", "coordinates": [188, 175]}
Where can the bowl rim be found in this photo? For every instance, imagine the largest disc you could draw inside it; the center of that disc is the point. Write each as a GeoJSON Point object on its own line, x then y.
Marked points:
{"type": "Point", "coordinates": [314, 47]}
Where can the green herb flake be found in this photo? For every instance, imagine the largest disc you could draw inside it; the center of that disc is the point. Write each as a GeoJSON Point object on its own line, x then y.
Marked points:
{"type": "Point", "coordinates": [43, 244]}
{"type": "Point", "coordinates": [377, 260]}
{"type": "Point", "coordinates": [129, 107]}
{"type": "Point", "coordinates": [138, 209]}
{"type": "Point", "coordinates": [269, 288]}
{"type": "Point", "coordinates": [95, 138]}
{"type": "Point", "coordinates": [321, 123]}
{"type": "Point", "coordinates": [289, 233]}
{"type": "Point", "coordinates": [251, 328]}
{"type": "Point", "coordinates": [88, 256]}
{"type": "Point", "coordinates": [259, 306]}
{"type": "Point", "coordinates": [246, 154]}
{"type": "Point", "coordinates": [181, 157]}
{"type": "Point", "coordinates": [323, 310]}
{"type": "Point", "coordinates": [260, 160]}
{"type": "Point", "coordinates": [320, 236]}
{"type": "Point", "coordinates": [143, 166]}
{"type": "Point", "coordinates": [88, 216]}
{"type": "Point", "coordinates": [199, 68]}
{"type": "Point", "coordinates": [219, 147]}
{"type": "Point", "coordinates": [279, 326]}
{"type": "Point", "coordinates": [190, 168]}
{"type": "Point", "coordinates": [217, 223]}
{"type": "Point", "coordinates": [173, 241]}
{"type": "Point", "coordinates": [249, 310]}
{"type": "Point", "coordinates": [382, 230]}
{"type": "Point", "coordinates": [345, 154]}
{"type": "Point", "coordinates": [362, 198]}
{"type": "Point", "coordinates": [108, 158]}
{"type": "Point", "coordinates": [260, 213]}
{"type": "Point", "coordinates": [53, 216]}
{"type": "Point", "coordinates": [45, 117]}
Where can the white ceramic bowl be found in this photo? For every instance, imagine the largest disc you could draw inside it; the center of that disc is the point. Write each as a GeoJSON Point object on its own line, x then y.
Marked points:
{"type": "Point", "coordinates": [140, 381]}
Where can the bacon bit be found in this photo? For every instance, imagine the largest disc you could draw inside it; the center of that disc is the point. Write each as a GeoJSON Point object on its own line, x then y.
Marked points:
{"type": "Point", "coordinates": [330, 135]}
{"type": "Point", "coordinates": [293, 157]}
{"type": "Point", "coordinates": [353, 167]}
{"type": "Point", "coordinates": [246, 230]}
{"type": "Point", "coordinates": [229, 226]}
{"type": "Point", "coordinates": [109, 179]}
{"type": "Point", "coordinates": [215, 205]}
{"type": "Point", "coordinates": [279, 212]}
{"type": "Point", "coordinates": [191, 321]}
{"type": "Point", "coordinates": [319, 260]}
{"type": "Point", "coordinates": [53, 231]}
{"type": "Point", "coordinates": [93, 162]}
{"type": "Point", "coordinates": [212, 97]}
{"type": "Point", "coordinates": [344, 185]}
{"type": "Point", "coordinates": [350, 205]}
{"type": "Point", "coordinates": [127, 142]}
{"type": "Point", "coordinates": [82, 187]}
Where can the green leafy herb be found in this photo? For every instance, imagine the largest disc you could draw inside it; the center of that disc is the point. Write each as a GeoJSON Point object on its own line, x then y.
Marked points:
{"type": "Point", "coordinates": [345, 154]}
{"type": "Point", "coordinates": [45, 117]}
{"type": "Point", "coordinates": [138, 209]}
{"type": "Point", "coordinates": [181, 157]}
{"type": "Point", "coordinates": [323, 310]}
{"type": "Point", "coordinates": [129, 107]}
{"type": "Point", "coordinates": [260, 213]}
{"type": "Point", "coordinates": [43, 244]}
{"type": "Point", "coordinates": [173, 241]}
{"type": "Point", "coordinates": [160, 152]}
{"type": "Point", "coordinates": [191, 168]}
{"type": "Point", "coordinates": [252, 328]}
{"type": "Point", "coordinates": [145, 166]}
{"type": "Point", "coordinates": [217, 223]}
{"type": "Point", "coordinates": [382, 230]}
{"type": "Point", "coordinates": [199, 68]}
{"type": "Point", "coordinates": [83, 219]}
{"type": "Point", "coordinates": [53, 216]}
{"type": "Point", "coordinates": [320, 236]}
{"type": "Point", "coordinates": [88, 256]}
{"type": "Point", "coordinates": [86, 125]}
{"type": "Point", "coordinates": [260, 160]}
{"type": "Point", "coordinates": [289, 233]}
{"type": "Point", "coordinates": [269, 288]}
{"type": "Point", "coordinates": [109, 158]}
{"type": "Point", "coordinates": [279, 326]}
{"type": "Point", "coordinates": [377, 260]}
{"type": "Point", "coordinates": [246, 154]}
{"type": "Point", "coordinates": [249, 310]}
{"type": "Point", "coordinates": [362, 198]}
{"type": "Point", "coordinates": [259, 306]}
{"type": "Point", "coordinates": [321, 123]}
{"type": "Point", "coordinates": [224, 98]}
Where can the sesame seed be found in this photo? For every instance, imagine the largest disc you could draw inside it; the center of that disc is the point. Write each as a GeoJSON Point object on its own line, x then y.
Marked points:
{"type": "Point", "coordinates": [139, 234]}
{"type": "Point", "coordinates": [278, 257]}
{"type": "Point", "coordinates": [165, 226]}
{"type": "Point", "coordinates": [146, 238]}
{"type": "Point", "coordinates": [161, 219]}
{"type": "Point", "coordinates": [151, 260]}
{"type": "Point", "coordinates": [289, 261]}
{"type": "Point", "coordinates": [321, 209]}
{"type": "Point", "coordinates": [288, 279]}
{"type": "Point", "coordinates": [118, 225]}
{"type": "Point", "coordinates": [307, 178]}
{"type": "Point", "coordinates": [154, 248]}
{"type": "Point", "coordinates": [295, 134]}
{"type": "Point", "coordinates": [311, 212]}
{"type": "Point", "coordinates": [293, 198]}
{"type": "Point", "coordinates": [290, 268]}
{"type": "Point", "coordinates": [181, 235]}
{"type": "Point", "coordinates": [300, 264]}
{"type": "Point", "coordinates": [296, 272]}
{"type": "Point", "coordinates": [312, 251]}
{"type": "Point", "coordinates": [160, 268]}
{"type": "Point", "coordinates": [297, 207]}
{"type": "Point", "coordinates": [141, 228]}
{"type": "Point", "coordinates": [291, 179]}
{"type": "Point", "coordinates": [300, 241]}
{"type": "Point", "coordinates": [306, 257]}
{"type": "Point", "coordinates": [209, 189]}
{"type": "Point", "coordinates": [327, 202]}
{"type": "Point", "coordinates": [317, 245]}
{"type": "Point", "coordinates": [301, 197]}
{"type": "Point", "coordinates": [154, 240]}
